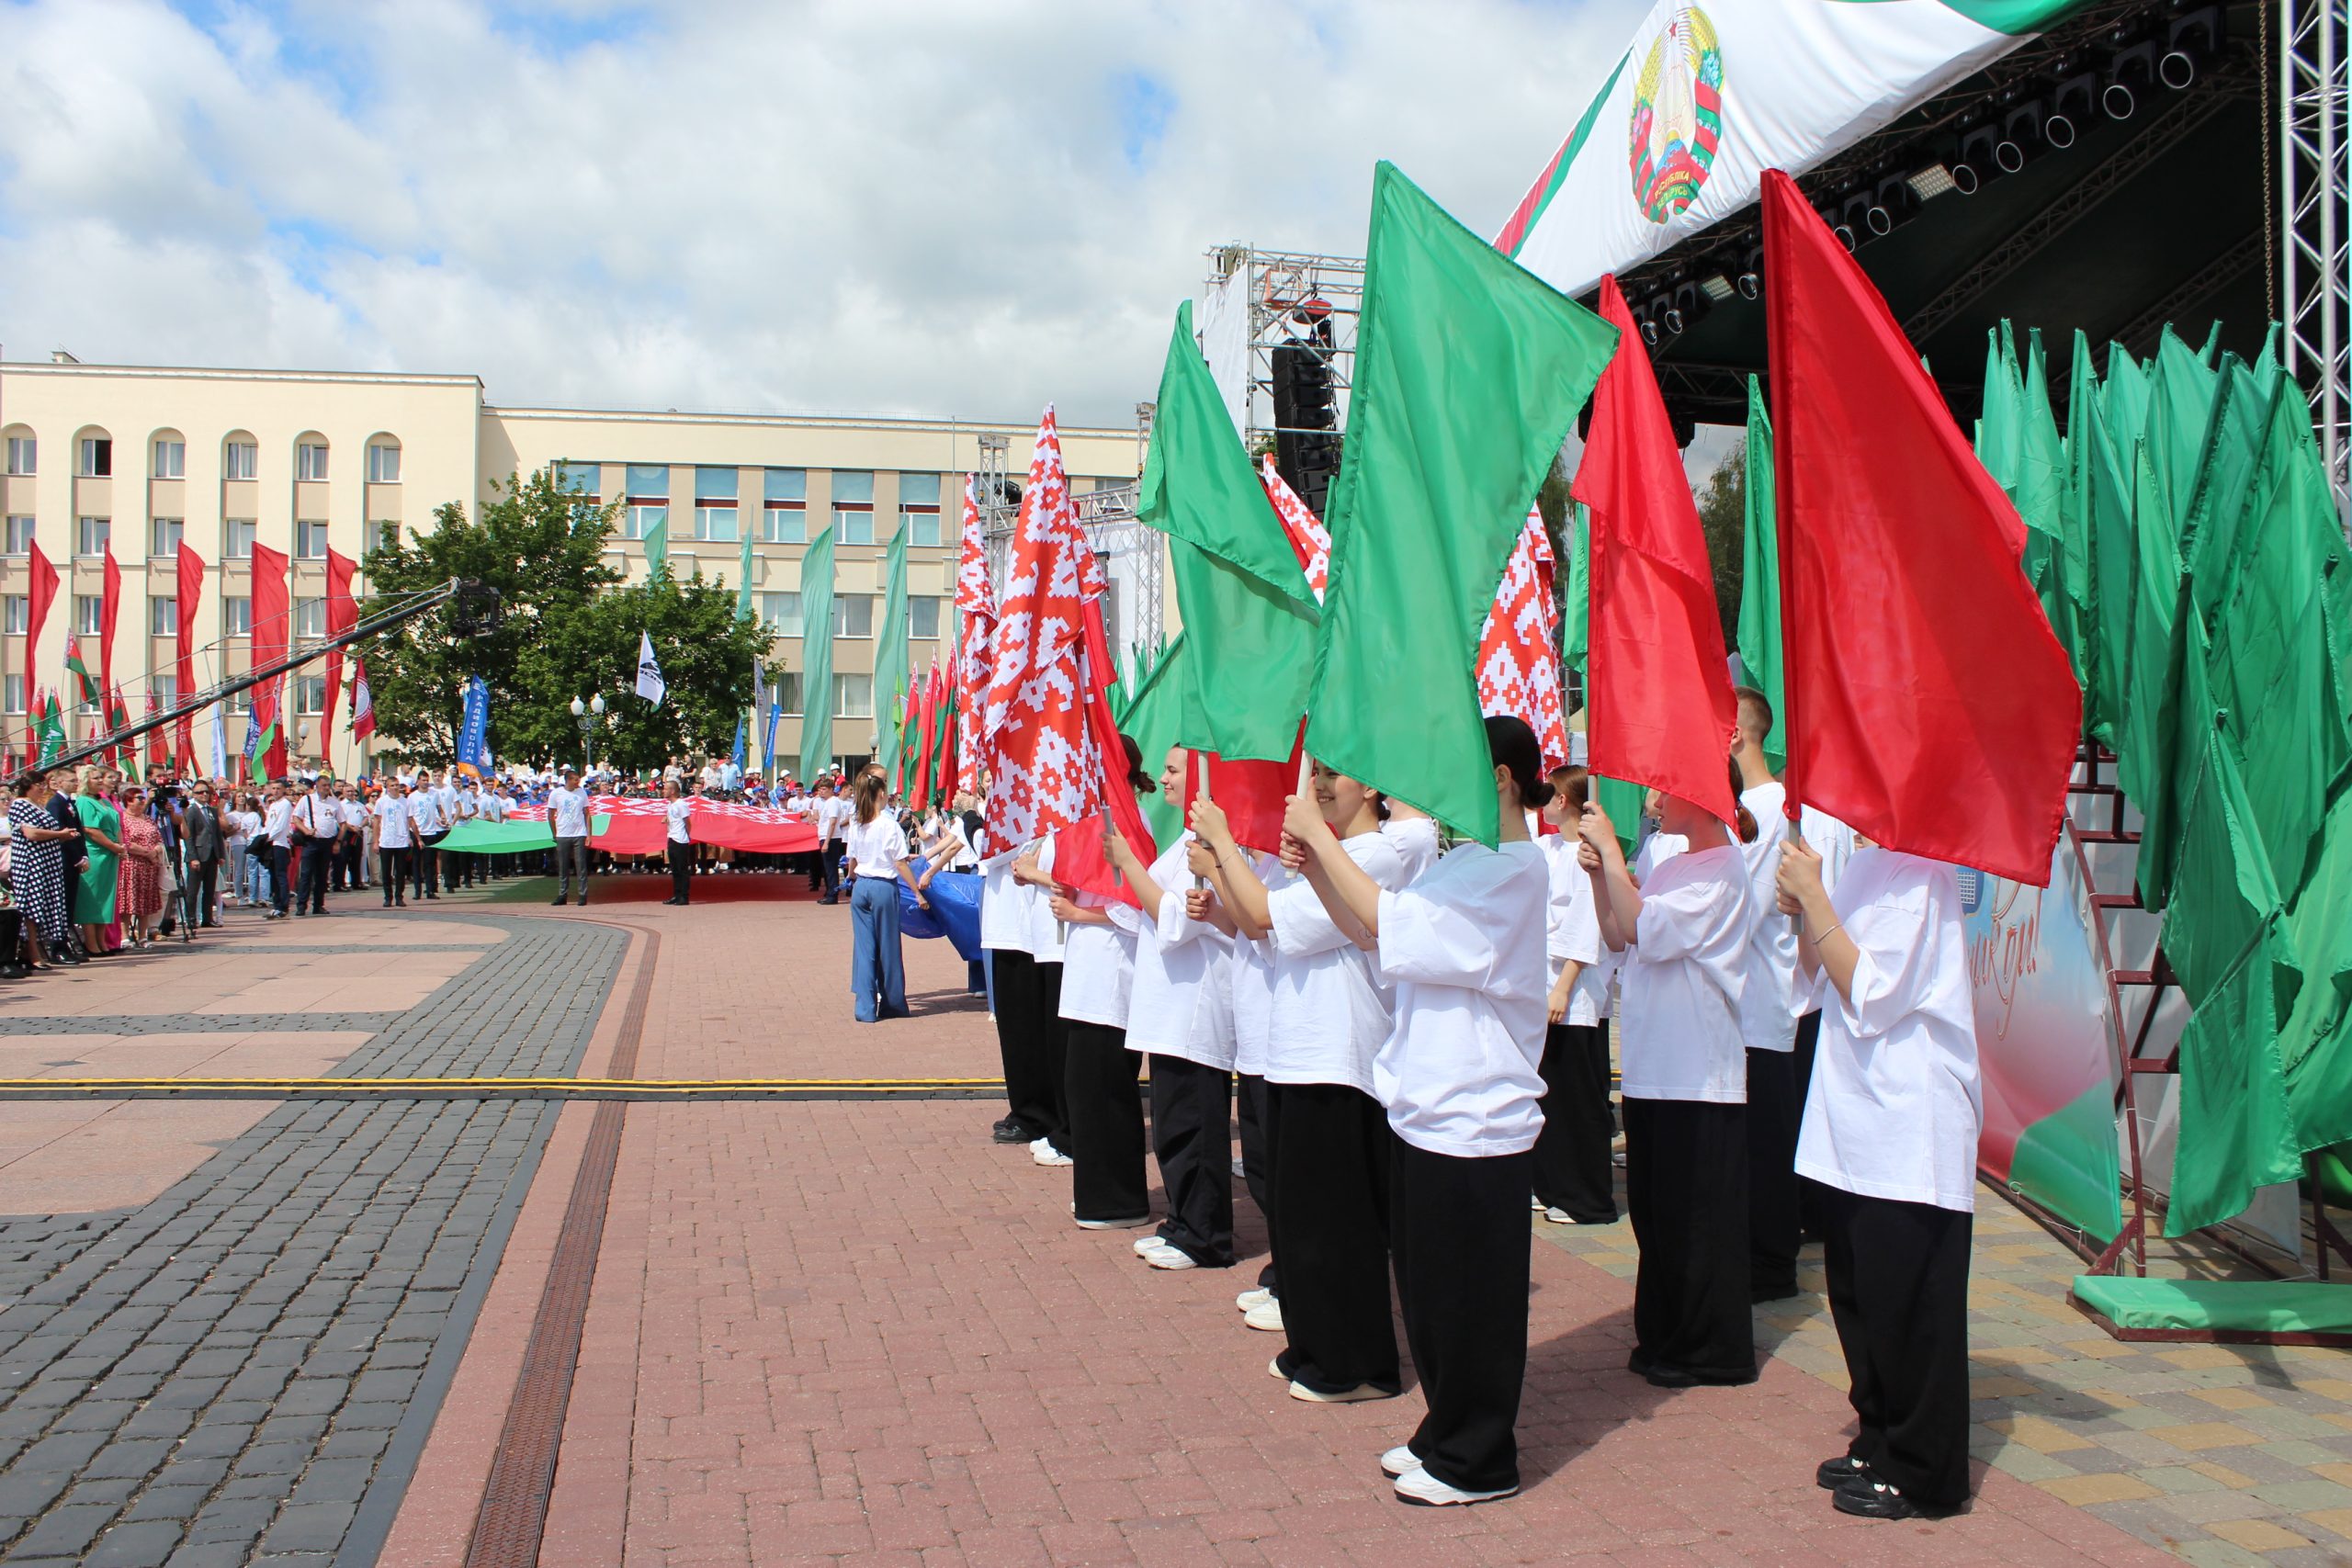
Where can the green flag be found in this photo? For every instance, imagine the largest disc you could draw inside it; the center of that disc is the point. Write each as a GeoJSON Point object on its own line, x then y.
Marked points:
{"type": "Point", "coordinates": [817, 656]}
{"type": "Point", "coordinates": [891, 656]}
{"type": "Point", "coordinates": [51, 729]}
{"type": "Point", "coordinates": [743, 577]}
{"type": "Point", "coordinates": [656, 547]}
{"type": "Point", "coordinates": [1575, 598]}
{"type": "Point", "coordinates": [1153, 718]}
{"type": "Point", "coordinates": [1759, 582]}
{"type": "Point", "coordinates": [1469, 373]}
{"type": "Point", "coordinates": [1239, 585]}
{"type": "Point", "coordinates": [2040, 497]}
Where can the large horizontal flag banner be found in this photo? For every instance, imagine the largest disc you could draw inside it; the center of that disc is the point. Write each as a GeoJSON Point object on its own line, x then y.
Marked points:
{"type": "Point", "coordinates": [1708, 97]}
{"type": "Point", "coordinates": [636, 825]}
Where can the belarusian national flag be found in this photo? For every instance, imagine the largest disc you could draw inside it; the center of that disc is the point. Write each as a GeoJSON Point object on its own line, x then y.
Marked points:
{"type": "Point", "coordinates": [363, 702]}
{"type": "Point", "coordinates": [1469, 373]}
{"type": "Point", "coordinates": [1759, 580]}
{"type": "Point", "coordinates": [975, 644]}
{"type": "Point", "coordinates": [1309, 540]}
{"type": "Point", "coordinates": [1519, 665]}
{"type": "Point", "coordinates": [85, 684]}
{"type": "Point", "coordinates": [1237, 583]}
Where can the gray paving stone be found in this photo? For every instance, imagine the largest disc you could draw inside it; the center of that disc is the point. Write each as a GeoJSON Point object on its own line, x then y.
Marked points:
{"type": "Point", "coordinates": [140, 1544]}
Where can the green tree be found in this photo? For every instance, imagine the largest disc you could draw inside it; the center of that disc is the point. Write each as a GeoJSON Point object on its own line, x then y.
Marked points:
{"type": "Point", "coordinates": [1723, 517]}
{"type": "Point", "coordinates": [706, 652]}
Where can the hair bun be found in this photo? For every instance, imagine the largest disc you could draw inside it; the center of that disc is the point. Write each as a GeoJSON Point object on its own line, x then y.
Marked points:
{"type": "Point", "coordinates": [1537, 797]}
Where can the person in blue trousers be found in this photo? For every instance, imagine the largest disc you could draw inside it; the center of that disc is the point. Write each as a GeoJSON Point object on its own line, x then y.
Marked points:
{"type": "Point", "coordinates": [874, 859]}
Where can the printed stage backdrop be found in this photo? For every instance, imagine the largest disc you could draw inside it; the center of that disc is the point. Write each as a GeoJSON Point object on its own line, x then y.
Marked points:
{"type": "Point", "coordinates": [2049, 1064]}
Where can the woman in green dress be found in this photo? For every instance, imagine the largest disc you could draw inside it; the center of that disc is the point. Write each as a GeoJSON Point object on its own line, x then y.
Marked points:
{"type": "Point", "coordinates": [93, 895]}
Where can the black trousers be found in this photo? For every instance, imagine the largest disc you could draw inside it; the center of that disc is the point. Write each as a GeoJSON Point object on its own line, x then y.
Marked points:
{"type": "Point", "coordinates": [1257, 1169]}
{"type": "Point", "coordinates": [1458, 1229]}
{"type": "Point", "coordinates": [1898, 1291]}
{"type": "Point", "coordinates": [1329, 1146]}
{"type": "Point", "coordinates": [1774, 1227]}
{"type": "Point", "coordinates": [318, 866]}
{"type": "Point", "coordinates": [281, 859]}
{"type": "Point", "coordinates": [1685, 1162]}
{"type": "Point", "coordinates": [420, 863]}
{"type": "Point", "coordinates": [681, 871]}
{"type": "Point", "coordinates": [1191, 1137]}
{"type": "Point", "coordinates": [1024, 1016]}
{"type": "Point", "coordinates": [1105, 1123]}
{"type": "Point", "coordinates": [392, 870]}
{"type": "Point", "coordinates": [1573, 1173]}
{"type": "Point", "coordinates": [1809, 1222]}
{"type": "Point", "coordinates": [204, 895]}
{"type": "Point", "coordinates": [571, 862]}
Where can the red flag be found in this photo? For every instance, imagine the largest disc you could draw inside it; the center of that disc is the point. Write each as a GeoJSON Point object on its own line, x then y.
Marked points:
{"type": "Point", "coordinates": [1519, 651]}
{"type": "Point", "coordinates": [343, 613]}
{"type": "Point", "coordinates": [1250, 794]}
{"type": "Point", "coordinates": [270, 628]}
{"type": "Point", "coordinates": [158, 744]}
{"type": "Point", "coordinates": [1660, 703]}
{"type": "Point", "coordinates": [39, 596]}
{"type": "Point", "coordinates": [1928, 705]}
{"type": "Point", "coordinates": [190, 571]}
{"type": "Point", "coordinates": [975, 644]}
{"type": "Point", "coordinates": [363, 701]}
{"type": "Point", "coordinates": [1044, 773]}
{"type": "Point", "coordinates": [109, 610]}
{"type": "Point", "coordinates": [1079, 860]}
{"type": "Point", "coordinates": [926, 725]}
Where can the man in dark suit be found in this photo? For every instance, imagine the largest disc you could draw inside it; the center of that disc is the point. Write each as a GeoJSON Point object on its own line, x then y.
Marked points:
{"type": "Point", "coordinates": [201, 843]}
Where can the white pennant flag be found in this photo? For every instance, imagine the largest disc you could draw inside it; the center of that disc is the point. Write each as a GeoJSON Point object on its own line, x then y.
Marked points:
{"type": "Point", "coordinates": [649, 684]}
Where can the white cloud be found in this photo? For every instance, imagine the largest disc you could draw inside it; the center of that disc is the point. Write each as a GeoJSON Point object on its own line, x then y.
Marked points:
{"type": "Point", "coordinates": [903, 206]}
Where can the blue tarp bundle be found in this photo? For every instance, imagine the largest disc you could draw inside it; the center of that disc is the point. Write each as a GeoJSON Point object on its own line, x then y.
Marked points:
{"type": "Point", "coordinates": [954, 910]}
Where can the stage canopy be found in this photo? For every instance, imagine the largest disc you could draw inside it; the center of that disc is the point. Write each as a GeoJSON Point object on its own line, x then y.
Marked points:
{"type": "Point", "coordinates": [1987, 170]}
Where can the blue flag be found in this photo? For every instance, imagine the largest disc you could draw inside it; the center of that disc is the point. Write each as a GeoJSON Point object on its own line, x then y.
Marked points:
{"type": "Point", "coordinates": [741, 732]}
{"type": "Point", "coordinates": [767, 750]}
{"type": "Point", "coordinates": [473, 752]}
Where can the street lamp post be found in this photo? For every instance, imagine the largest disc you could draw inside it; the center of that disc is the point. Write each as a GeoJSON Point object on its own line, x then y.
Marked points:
{"type": "Point", "coordinates": [588, 716]}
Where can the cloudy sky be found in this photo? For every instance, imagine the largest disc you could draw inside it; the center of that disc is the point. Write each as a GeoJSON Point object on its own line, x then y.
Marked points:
{"type": "Point", "coordinates": [918, 207]}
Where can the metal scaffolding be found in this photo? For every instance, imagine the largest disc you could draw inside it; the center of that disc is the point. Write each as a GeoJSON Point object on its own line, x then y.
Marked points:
{"type": "Point", "coordinates": [2316, 282]}
{"type": "Point", "coordinates": [1279, 285]}
{"type": "Point", "coordinates": [1133, 554]}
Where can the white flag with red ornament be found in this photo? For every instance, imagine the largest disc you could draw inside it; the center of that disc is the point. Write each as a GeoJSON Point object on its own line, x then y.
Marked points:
{"type": "Point", "coordinates": [363, 702]}
{"type": "Point", "coordinates": [1043, 774]}
{"type": "Point", "coordinates": [1309, 540]}
{"type": "Point", "coordinates": [1519, 650]}
{"type": "Point", "coordinates": [975, 644]}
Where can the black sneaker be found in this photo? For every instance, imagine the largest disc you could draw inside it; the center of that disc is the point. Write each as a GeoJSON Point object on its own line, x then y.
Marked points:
{"type": "Point", "coordinates": [1874, 1499]}
{"type": "Point", "coordinates": [1836, 1472]}
{"type": "Point", "coordinates": [1010, 1131]}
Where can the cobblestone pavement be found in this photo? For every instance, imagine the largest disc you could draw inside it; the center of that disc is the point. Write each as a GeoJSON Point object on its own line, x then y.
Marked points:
{"type": "Point", "coordinates": [2226, 1455]}
{"type": "Point", "coordinates": [232, 1373]}
{"type": "Point", "coordinates": [194, 1022]}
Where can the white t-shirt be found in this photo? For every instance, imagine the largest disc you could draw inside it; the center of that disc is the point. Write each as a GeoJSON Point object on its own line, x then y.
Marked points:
{"type": "Point", "coordinates": [424, 813]}
{"type": "Point", "coordinates": [1330, 1010]}
{"type": "Point", "coordinates": [446, 797]}
{"type": "Point", "coordinates": [240, 826]}
{"type": "Point", "coordinates": [1099, 963]}
{"type": "Point", "coordinates": [1181, 1001]}
{"type": "Point", "coordinates": [1572, 931]}
{"type": "Point", "coordinates": [1004, 924]}
{"type": "Point", "coordinates": [391, 822]}
{"type": "Point", "coordinates": [1464, 947]}
{"type": "Point", "coordinates": [277, 822]}
{"type": "Point", "coordinates": [1045, 941]}
{"type": "Point", "coordinates": [1679, 1010]}
{"type": "Point", "coordinates": [317, 817]}
{"type": "Point", "coordinates": [568, 812]}
{"type": "Point", "coordinates": [1765, 1021]}
{"type": "Point", "coordinates": [677, 816]}
{"type": "Point", "coordinates": [1414, 840]}
{"type": "Point", "coordinates": [353, 813]}
{"type": "Point", "coordinates": [1253, 977]}
{"type": "Point", "coordinates": [1895, 1106]}
{"type": "Point", "coordinates": [833, 817]}
{"type": "Point", "coordinates": [877, 846]}
{"type": "Point", "coordinates": [1654, 851]}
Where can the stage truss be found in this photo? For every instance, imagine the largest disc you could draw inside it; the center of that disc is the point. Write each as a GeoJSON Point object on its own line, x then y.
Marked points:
{"type": "Point", "coordinates": [2315, 267]}
{"type": "Point", "coordinates": [1278, 285]}
{"type": "Point", "coordinates": [1134, 555]}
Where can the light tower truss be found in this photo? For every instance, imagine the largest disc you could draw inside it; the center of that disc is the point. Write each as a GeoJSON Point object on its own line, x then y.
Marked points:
{"type": "Point", "coordinates": [2315, 228]}
{"type": "Point", "coordinates": [1286, 292]}
{"type": "Point", "coordinates": [1133, 554]}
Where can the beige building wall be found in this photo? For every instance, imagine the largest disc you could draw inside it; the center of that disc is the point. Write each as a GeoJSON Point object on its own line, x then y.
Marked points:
{"type": "Point", "coordinates": [451, 446]}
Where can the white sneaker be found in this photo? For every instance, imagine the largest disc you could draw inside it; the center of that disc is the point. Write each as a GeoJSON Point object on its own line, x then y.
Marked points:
{"type": "Point", "coordinates": [1266, 1317]}
{"type": "Point", "coordinates": [1399, 1460]}
{"type": "Point", "coordinates": [1424, 1490]}
{"type": "Point", "coordinates": [1149, 1244]}
{"type": "Point", "coordinates": [1125, 1225]}
{"type": "Point", "coordinates": [1036, 1145]}
{"type": "Point", "coordinates": [1356, 1395]}
{"type": "Point", "coordinates": [1535, 1202]}
{"type": "Point", "coordinates": [1051, 1156]}
{"type": "Point", "coordinates": [1274, 1370]}
{"type": "Point", "coordinates": [1256, 1298]}
{"type": "Point", "coordinates": [1236, 1168]}
{"type": "Point", "coordinates": [1167, 1257]}
{"type": "Point", "coordinates": [1559, 1216]}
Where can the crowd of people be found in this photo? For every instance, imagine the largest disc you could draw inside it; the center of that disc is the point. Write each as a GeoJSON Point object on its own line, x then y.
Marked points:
{"type": "Point", "coordinates": [1419, 1042]}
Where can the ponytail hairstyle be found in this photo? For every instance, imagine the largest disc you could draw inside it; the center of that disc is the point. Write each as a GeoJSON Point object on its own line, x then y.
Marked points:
{"type": "Point", "coordinates": [869, 797]}
{"type": "Point", "coordinates": [1744, 820]}
{"type": "Point", "coordinates": [1512, 744]}
{"type": "Point", "coordinates": [1141, 782]}
{"type": "Point", "coordinates": [1575, 783]}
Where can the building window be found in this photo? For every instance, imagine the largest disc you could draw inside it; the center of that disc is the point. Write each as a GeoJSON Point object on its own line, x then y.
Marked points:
{"type": "Point", "coordinates": [853, 525]}
{"type": "Point", "coordinates": [239, 615]}
{"type": "Point", "coordinates": [12, 693]}
{"type": "Point", "coordinates": [781, 613]}
{"type": "Point", "coordinates": [165, 535]}
{"type": "Point", "coordinates": [385, 534]}
{"type": "Point", "coordinates": [97, 457]}
{"type": "Point", "coordinates": [918, 507]}
{"type": "Point", "coordinates": [87, 608]}
{"type": "Point", "coordinates": [383, 464]}
{"type": "Point", "coordinates": [717, 525]}
{"type": "Point", "coordinates": [20, 536]}
{"type": "Point", "coordinates": [853, 696]}
{"type": "Point", "coordinates": [240, 704]}
{"type": "Point", "coordinates": [168, 691]}
{"type": "Point", "coordinates": [310, 460]}
{"type": "Point", "coordinates": [582, 479]}
{"type": "Point", "coordinates": [852, 615]}
{"type": "Point", "coordinates": [237, 538]}
{"type": "Point", "coordinates": [13, 617]}
{"type": "Point", "coordinates": [784, 524]}
{"type": "Point", "coordinates": [923, 615]}
{"type": "Point", "coordinates": [170, 460]}
{"type": "Point", "coordinates": [648, 481]}
{"type": "Point", "coordinates": [716, 484]}
{"type": "Point", "coordinates": [788, 692]}
{"type": "Point", "coordinates": [643, 520]}
{"type": "Point", "coordinates": [243, 461]}
{"type": "Point", "coordinates": [90, 538]}
{"type": "Point", "coordinates": [23, 453]}
{"type": "Point", "coordinates": [310, 617]}
{"type": "Point", "coordinates": [163, 618]}
{"type": "Point", "coordinates": [311, 541]}
{"type": "Point", "coordinates": [309, 694]}
{"type": "Point", "coordinates": [852, 506]}
{"type": "Point", "coordinates": [922, 527]}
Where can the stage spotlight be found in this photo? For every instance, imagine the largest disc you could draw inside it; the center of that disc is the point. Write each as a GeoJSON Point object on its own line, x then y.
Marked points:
{"type": "Point", "coordinates": [2192, 42]}
{"type": "Point", "coordinates": [1716, 287]}
{"type": "Point", "coordinates": [1649, 320]}
{"type": "Point", "coordinates": [1976, 163]}
{"type": "Point", "coordinates": [1692, 303]}
{"type": "Point", "coordinates": [2073, 101]}
{"type": "Point", "coordinates": [1931, 182]}
{"type": "Point", "coordinates": [1750, 282]}
{"type": "Point", "coordinates": [2131, 67]}
{"type": "Point", "coordinates": [1895, 204]}
{"type": "Point", "coordinates": [1854, 217]}
{"type": "Point", "coordinates": [2020, 131]}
